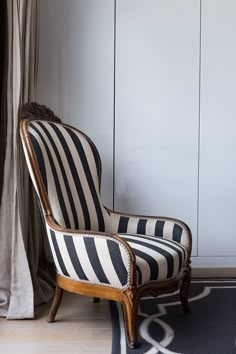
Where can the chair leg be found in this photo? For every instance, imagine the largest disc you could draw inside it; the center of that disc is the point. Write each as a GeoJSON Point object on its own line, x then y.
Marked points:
{"type": "Point", "coordinates": [184, 290]}
{"type": "Point", "coordinates": [130, 310]}
{"type": "Point", "coordinates": [55, 305]}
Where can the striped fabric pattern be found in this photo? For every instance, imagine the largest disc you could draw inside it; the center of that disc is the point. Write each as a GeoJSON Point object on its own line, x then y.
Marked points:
{"type": "Point", "coordinates": [91, 258]}
{"type": "Point", "coordinates": [105, 261]}
{"type": "Point", "coordinates": [162, 227]}
{"type": "Point", "coordinates": [69, 166]}
{"type": "Point", "coordinates": [156, 258]}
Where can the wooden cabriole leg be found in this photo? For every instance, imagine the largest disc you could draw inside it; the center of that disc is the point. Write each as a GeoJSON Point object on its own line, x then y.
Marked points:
{"type": "Point", "coordinates": [130, 310]}
{"type": "Point", "coordinates": [55, 305]}
{"type": "Point", "coordinates": [184, 289]}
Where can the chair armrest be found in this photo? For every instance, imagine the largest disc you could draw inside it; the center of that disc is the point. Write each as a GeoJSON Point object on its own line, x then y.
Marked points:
{"type": "Point", "coordinates": [169, 228]}
{"type": "Point", "coordinates": [92, 257]}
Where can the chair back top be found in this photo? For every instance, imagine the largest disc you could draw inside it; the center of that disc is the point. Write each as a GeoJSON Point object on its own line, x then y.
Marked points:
{"type": "Point", "coordinates": [67, 164]}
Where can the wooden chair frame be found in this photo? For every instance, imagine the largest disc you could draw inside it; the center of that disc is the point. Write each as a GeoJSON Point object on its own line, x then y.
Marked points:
{"type": "Point", "coordinates": [130, 297]}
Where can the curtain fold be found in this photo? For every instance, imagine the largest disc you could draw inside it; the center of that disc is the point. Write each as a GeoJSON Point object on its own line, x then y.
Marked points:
{"type": "Point", "coordinates": [3, 51]}
{"type": "Point", "coordinates": [26, 268]}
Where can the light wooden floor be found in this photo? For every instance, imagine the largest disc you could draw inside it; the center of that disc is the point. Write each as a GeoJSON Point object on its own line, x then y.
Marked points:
{"type": "Point", "coordinates": [81, 327]}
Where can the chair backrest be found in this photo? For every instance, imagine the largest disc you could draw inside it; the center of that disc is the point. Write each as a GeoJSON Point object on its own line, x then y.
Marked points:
{"type": "Point", "coordinates": [70, 168]}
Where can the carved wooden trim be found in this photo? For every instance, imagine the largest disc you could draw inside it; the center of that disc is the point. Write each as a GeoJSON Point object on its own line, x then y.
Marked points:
{"type": "Point", "coordinates": [93, 290]}
{"type": "Point", "coordinates": [129, 298]}
{"type": "Point", "coordinates": [34, 110]}
{"type": "Point", "coordinates": [38, 179]}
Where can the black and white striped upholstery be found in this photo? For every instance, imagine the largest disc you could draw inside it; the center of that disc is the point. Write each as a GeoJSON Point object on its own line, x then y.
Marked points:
{"type": "Point", "coordinates": [163, 227]}
{"type": "Point", "coordinates": [69, 166]}
{"type": "Point", "coordinates": [70, 169]}
{"type": "Point", "coordinates": [101, 260]}
{"type": "Point", "coordinates": [98, 252]}
{"type": "Point", "coordinates": [156, 258]}
{"type": "Point", "coordinates": [91, 258]}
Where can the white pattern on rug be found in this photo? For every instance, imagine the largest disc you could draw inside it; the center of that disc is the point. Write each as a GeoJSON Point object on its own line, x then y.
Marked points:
{"type": "Point", "coordinates": [169, 334]}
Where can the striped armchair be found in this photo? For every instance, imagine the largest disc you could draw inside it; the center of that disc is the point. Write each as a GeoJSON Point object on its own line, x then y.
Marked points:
{"type": "Point", "coordinates": [98, 252]}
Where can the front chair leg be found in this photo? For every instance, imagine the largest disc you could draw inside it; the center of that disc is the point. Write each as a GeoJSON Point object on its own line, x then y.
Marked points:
{"type": "Point", "coordinates": [184, 289]}
{"type": "Point", "coordinates": [130, 310]}
{"type": "Point", "coordinates": [55, 305]}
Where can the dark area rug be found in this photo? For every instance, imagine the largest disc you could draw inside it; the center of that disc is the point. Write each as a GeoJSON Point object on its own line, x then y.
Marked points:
{"type": "Point", "coordinates": [163, 328]}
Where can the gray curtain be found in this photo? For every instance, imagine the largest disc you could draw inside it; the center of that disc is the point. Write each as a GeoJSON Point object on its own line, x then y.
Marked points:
{"type": "Point", "coordinates": [26, 268]}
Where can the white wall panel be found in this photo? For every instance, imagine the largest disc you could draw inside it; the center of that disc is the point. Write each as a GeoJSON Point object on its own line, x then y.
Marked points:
{"type": "Point", "coordinates": [76, 65]}
{"type": "Point", "coordinates": [217, 234]}
{"type": "Point", "coordinates": [157, 114]}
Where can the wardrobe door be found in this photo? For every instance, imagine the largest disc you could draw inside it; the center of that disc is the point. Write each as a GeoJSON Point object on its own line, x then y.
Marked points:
{"type": "Point", "coordinates": [217, 207]}
{"type": "Point", "coordinates": [76, 71]}
{"type": "Point", "coordinates": [157, 108]}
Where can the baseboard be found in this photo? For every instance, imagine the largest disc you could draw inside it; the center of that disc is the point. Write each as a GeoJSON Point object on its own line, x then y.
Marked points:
{"type": "Point", "coordinates": [214, 273]}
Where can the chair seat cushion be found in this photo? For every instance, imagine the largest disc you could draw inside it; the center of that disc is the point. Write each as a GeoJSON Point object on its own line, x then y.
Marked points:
{"type": "Point", "coordinates": [156, 258]}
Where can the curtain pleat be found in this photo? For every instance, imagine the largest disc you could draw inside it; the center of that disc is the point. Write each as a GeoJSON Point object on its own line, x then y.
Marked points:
{"type": "Point", "coordinates": [26, 268]}
{"type": "Point", "coordinates": [3, 51]}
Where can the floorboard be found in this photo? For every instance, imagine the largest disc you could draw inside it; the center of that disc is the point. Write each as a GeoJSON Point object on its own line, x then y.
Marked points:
{"type": "Point", "coordinates": [81, 327]}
